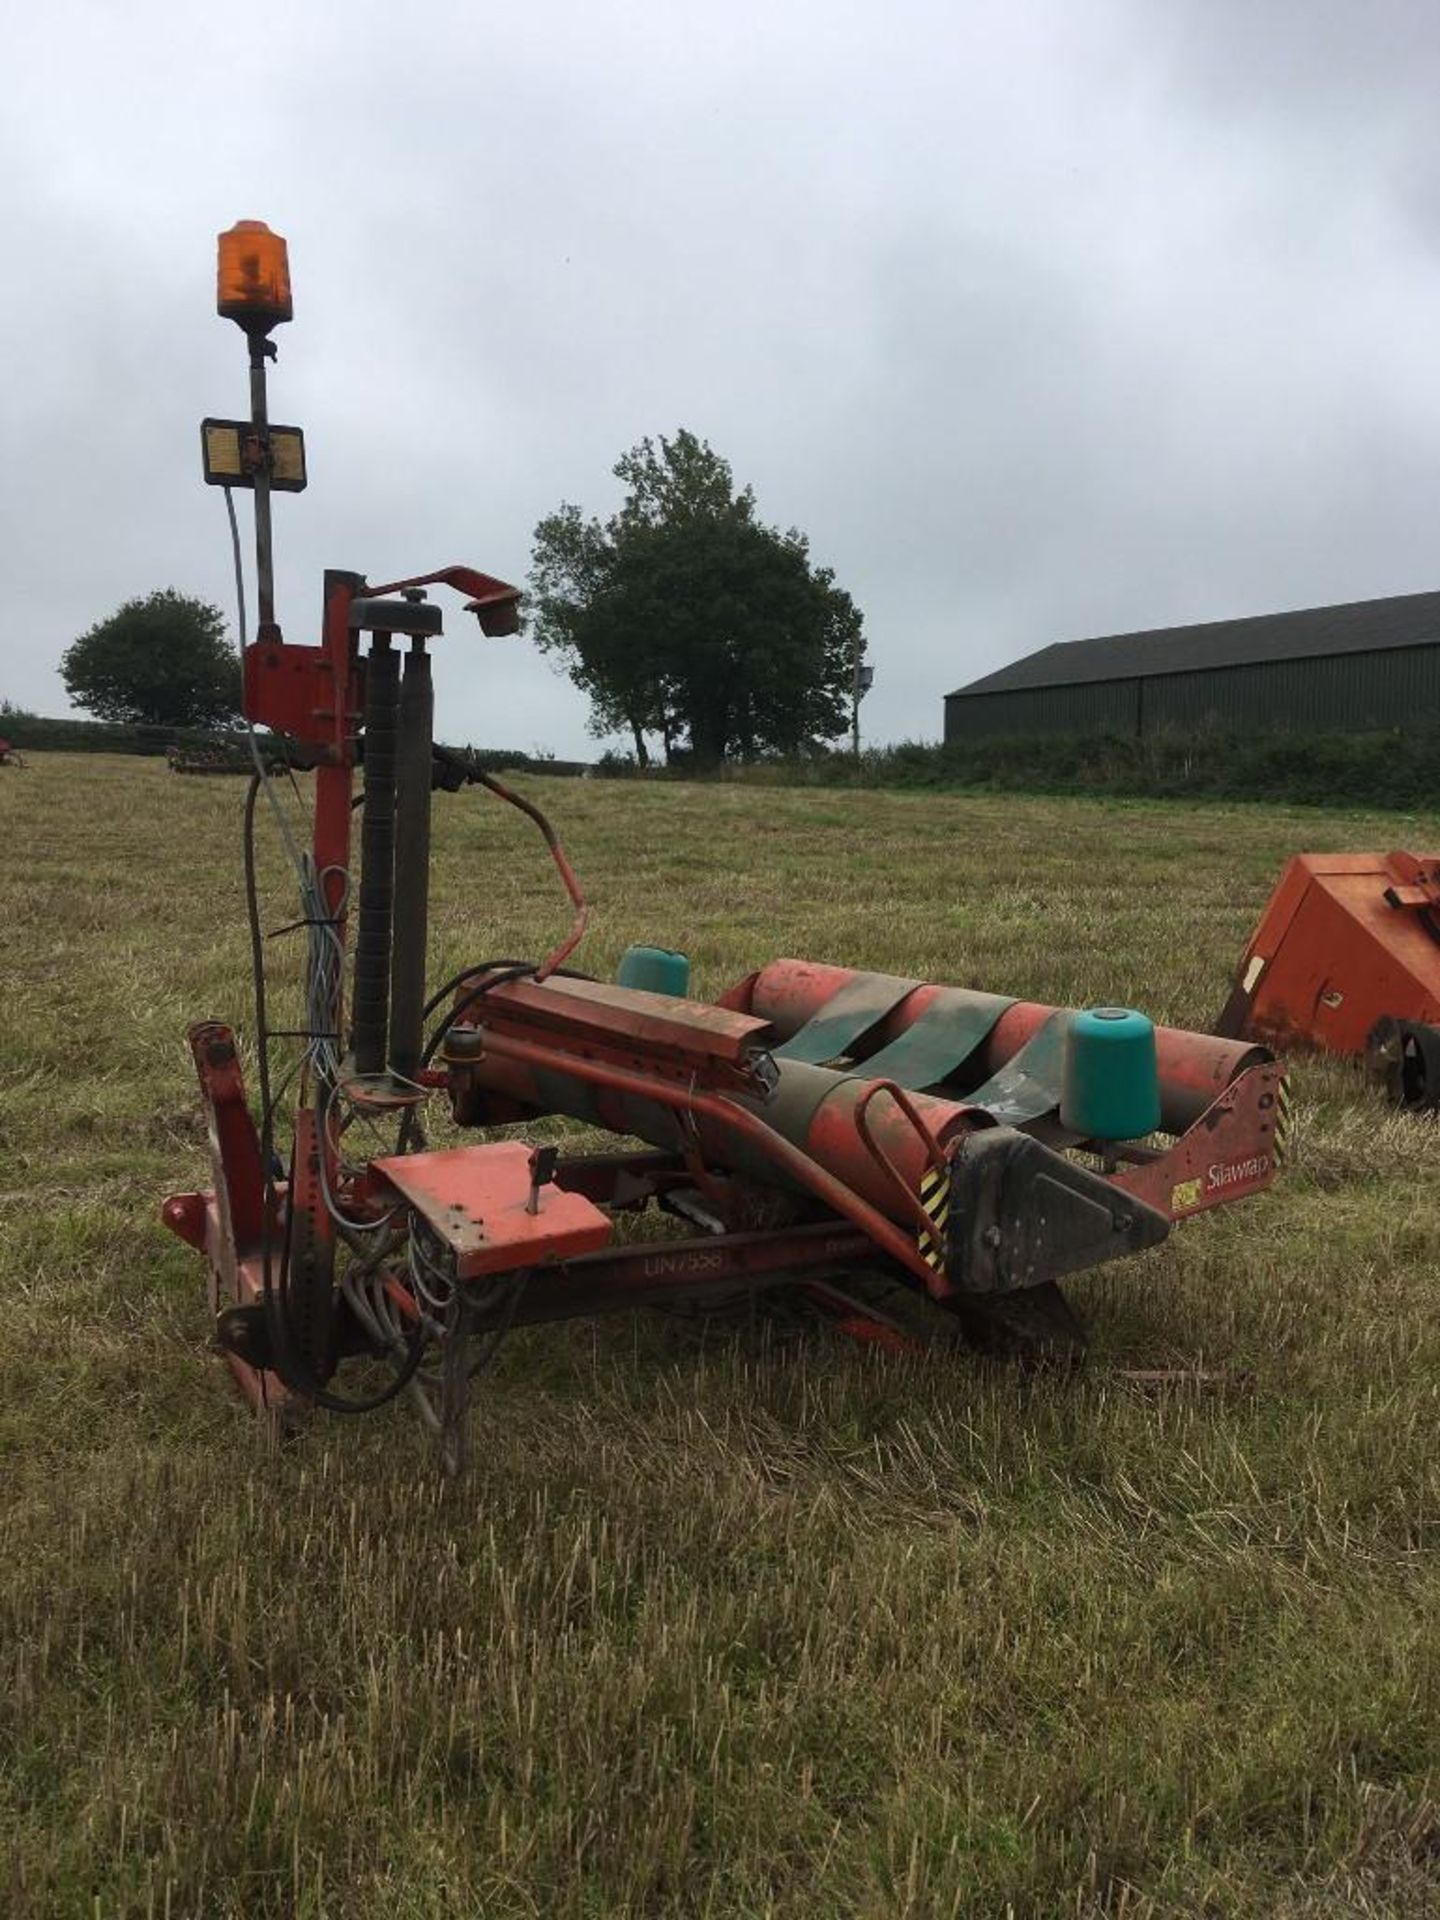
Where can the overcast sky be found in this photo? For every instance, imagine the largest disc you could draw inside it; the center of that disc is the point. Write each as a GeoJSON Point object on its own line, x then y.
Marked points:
{"type": "Point", "coordinates": [1042, 320]}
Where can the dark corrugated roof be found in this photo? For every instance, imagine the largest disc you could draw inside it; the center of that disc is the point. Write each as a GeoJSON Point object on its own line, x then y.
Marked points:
{"type": "Point", "coordinates": [1362, 626]}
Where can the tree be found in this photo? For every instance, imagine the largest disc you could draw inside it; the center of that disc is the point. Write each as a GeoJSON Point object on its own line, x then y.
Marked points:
{"type": "Point", "coordinates": [159, 661]}
{"type": "Point", "coordinates": [683, 615]}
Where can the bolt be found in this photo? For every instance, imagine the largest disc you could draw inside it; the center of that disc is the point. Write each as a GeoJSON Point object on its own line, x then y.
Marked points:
{"type": "Point", "coordinates": [991, 1236]}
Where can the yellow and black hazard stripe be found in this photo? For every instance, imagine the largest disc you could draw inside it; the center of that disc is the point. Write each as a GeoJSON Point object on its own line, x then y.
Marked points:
{"type": "Point", "coordinates": [1282, 1120]}
{"type": "Point", "coordinates": [935, 1200]}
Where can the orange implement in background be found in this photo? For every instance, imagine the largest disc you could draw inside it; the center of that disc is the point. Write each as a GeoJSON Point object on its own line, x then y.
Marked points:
{"type": "Point", "coordinates": [1346, 959]}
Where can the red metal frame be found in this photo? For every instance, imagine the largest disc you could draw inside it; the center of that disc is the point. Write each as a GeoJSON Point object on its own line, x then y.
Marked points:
{"type": "Point", "coordinates": [315, 694]}
{"type": "Point", "coordinates": [1231, 1151]}
{"type": "Point", "coordinates": [1231, 1147]}
{"type": "Point", "coordinates": [732, 1120]}
{"type": "Point", "coordinates": [796, 1163]}
{"type": "Point", "coordinates": [658, 1272]}
{"type": "Point", "coordinates": [485, 1207]}
{"type": "Point", "coordinates": [683, 1040]}
{"type": "Point", "coordinates": [226, 1222]}
{"type": "Point", "coordinates": [698, 1080]}
{"type": "Point", "coordinates": [1235, 1148]}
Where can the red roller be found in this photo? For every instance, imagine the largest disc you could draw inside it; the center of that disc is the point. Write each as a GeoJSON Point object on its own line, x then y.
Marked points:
{"type": "Point", "coordinates": [1194, 1067]}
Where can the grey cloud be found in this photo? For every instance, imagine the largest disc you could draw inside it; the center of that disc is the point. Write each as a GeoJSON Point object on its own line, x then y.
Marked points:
{"type": "Point", "coordinates": [1040, 321]}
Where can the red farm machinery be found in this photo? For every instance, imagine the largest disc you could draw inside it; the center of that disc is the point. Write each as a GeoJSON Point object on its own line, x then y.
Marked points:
{"type": "Point", "coordinates": [857, 1138]}
{"type": "Point", "coordinates": [1346, 960]}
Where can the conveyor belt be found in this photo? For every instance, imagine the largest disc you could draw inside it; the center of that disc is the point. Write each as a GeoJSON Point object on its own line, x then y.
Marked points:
{"type": "Point", "coordinates": [846, 1017]}
{"type": "Point", "coordinates": [1028, 1085]}
{"type": "Point", "coordinates": [940, 1041]}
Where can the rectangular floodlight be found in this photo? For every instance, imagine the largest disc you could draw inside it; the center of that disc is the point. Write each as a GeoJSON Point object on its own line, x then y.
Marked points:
{"type": "Point", "coordinates": [229, 450]}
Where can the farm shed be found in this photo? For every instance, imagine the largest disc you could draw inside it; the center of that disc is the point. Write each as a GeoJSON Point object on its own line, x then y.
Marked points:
{"type": "Point", "coordinates": [1371, 663]}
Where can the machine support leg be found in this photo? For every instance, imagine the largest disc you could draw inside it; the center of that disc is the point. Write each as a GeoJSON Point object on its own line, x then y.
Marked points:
{"type": "Point", "coordinates": [412, 861]}
{"type": "Point", "coordinates": [455, 1388]}
{"type": "Point", "coordinates": [377, 870]}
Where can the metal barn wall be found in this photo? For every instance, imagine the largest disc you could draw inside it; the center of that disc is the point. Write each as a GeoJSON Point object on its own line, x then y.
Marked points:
{"type": "Point", "coordinates": [1394, 687]}
{"type": "Point", "coordinates": [1102, 706]}
{"type": "Point", "coordinates": [1341, 692]}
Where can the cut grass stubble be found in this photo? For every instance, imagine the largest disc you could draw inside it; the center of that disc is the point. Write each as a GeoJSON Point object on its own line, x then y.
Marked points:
{"type": "Point", "coordinates": [727, 1628]}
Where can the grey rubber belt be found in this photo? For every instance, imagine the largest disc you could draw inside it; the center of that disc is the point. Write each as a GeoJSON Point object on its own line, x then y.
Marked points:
{"type": "Point", "coordinates": [940, 1041]}
{"type": "Point", "coordinates": [846, 1017]}
{"type": "Point", "coordinates": [1028, 1085]}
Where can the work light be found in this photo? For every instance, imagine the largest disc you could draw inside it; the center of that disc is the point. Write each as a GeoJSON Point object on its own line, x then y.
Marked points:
{"type": "Point", "coordinates": [253, 279]}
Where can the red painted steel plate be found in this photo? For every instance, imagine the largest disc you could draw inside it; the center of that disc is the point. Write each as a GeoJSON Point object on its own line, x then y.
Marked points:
{"type": "Point", "coordinates": [1234, 1149]}
{"type": "Point", "coordinates": [628, 1016]}
{"type": "Point", "coordinates": [475, 1199]}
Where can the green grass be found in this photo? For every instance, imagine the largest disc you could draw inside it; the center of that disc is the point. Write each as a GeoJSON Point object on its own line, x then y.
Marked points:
{"type": "Point", "coordinates": [711, 1630]}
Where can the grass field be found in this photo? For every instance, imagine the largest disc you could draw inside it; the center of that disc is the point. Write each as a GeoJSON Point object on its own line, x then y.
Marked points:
{"type": "Point", "coordinates": [722, 1630]}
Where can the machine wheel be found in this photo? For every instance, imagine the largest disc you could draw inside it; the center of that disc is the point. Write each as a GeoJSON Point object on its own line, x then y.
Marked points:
{"type": "Point", "coordinates": [774, 1313]}
{"type": "Point", "coordinates": [898, 1303]}
{"type": "Point", "coordinates": [1404, 1056]}
{"type": "Point", "coordinates": [1033, 1326]}
{"type": "Point", "coordinates": [789, 1309]}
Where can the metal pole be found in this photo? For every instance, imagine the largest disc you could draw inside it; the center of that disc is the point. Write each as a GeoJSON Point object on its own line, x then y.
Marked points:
{"type": "Point", "coordinates": [377, 860]}
{"type": "Point", "coordinates": [855, 697]}
{"type": "Point", "coordinates": [264, 559]}
{"type": "Point", "coordinates": [412, 860]}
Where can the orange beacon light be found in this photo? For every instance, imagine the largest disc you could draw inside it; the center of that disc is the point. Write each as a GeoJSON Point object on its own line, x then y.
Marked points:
{"type": "Point", "coordinates": [253, 279]}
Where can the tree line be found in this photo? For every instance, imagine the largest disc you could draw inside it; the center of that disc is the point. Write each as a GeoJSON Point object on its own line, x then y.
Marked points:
{"type": "Point", "coordinates": [692, 627]}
